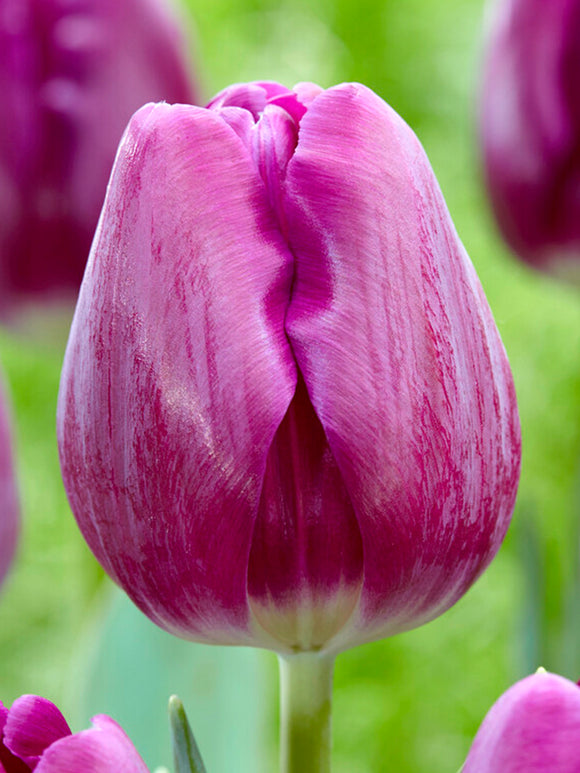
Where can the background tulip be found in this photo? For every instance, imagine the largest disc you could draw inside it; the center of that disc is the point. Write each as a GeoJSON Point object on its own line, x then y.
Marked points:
{"type": "Point", "coordinates": [34, 735]}
{"type": "Point", "coordinates": [9, 506]}
{"type": "Point", "coordinates": [533, 727]}
{"type": "Point", "coordinates": [286, 417]}
{"type": "Point", "coordinates": [72, 73]}
{"type": "Point", "coordinates": [530, 129]}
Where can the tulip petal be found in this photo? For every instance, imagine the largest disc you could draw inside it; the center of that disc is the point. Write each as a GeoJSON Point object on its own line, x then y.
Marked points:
{"type": "Point", "coordinates": [305, 570]}
{"type": "Point", "coordinates": [178, 371]}
{"type": "Point", "coordinates": [33, 724]}
{"type": "Point", "coordinates": [533, 727]}
{"type": "Point", "coordinates": [249, 96]}
{"type": "Point", "coordinates": [272, 143]}
{"type": "Point", "coordinates": [105, 748]}
{"type": "Point", "coordinates": [400, 357]}
{"type": "Point", "coordinates": [8, 762]}
{"type": "Point", "coordinates": [307, 92]}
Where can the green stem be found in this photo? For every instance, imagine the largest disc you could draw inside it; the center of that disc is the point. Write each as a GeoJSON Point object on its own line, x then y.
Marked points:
{"type": "Point", "coordinates": [305, 710]}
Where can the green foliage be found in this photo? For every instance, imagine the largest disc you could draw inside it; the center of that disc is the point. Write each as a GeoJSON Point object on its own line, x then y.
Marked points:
{"type": "Point", "coordinates": [412, 703]}
{"type": "Point", "coordinates": [43, 604]}
{"type": "Point", "coordinates": [185, 750]}
{"type": "Point", "coordinates": [127, 667]}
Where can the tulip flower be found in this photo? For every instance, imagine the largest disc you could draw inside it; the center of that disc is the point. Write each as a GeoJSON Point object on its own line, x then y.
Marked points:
{"type": "Point", "coordinates": [286, 418]}
{"type": "Point", "coordinates": [34, 735]}
{"type": "Point", "coordinates": [530, 129]}
{"type": "Point", "coordinates": [533, 727]}
{"type": "Point", "coordinates": [9, 503]}
{"type": "Point", "coordinates": [72, 74]}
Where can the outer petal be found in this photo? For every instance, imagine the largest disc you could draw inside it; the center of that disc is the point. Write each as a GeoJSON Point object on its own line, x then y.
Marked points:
{"type": "Point", "coordinates": [32, 725]}
{"type": "Point", "coordinates": [178, 371]}
{"type": "Point", "coordinates": [9, 501]}
{"type": "Point", "coordinates": [103, 749]}
{"type": "Point", "coordinates": [530, 126]}
{"type": "Point", "coordinates": [534, 727]}
{"type": "Point", "coordinates": [8, 762]}
{"type": "Point", "coordinates": [401, 358]}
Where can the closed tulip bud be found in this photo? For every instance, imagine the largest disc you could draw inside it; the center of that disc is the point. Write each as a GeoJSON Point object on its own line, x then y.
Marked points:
{"type": "Point", "coordinates": [9, 503]}
{"type": "Point", "coordinates": [534, 726]}
{"type": "Point", "coordinates": [286, 417]}
{"type": "Point", "coordinates": [72, 73]}
{"type": "Point", "coordinates": [34, 735]}
{"type": "Point", "coordinates": [530, 130]}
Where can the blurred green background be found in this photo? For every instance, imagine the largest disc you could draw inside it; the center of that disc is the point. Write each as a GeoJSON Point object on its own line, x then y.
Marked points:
{"type": "Point", "coordinates": [412, 703]}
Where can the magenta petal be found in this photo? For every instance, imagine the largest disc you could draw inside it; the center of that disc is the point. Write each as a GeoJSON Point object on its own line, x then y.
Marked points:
{"type": "Point", "coordinates": [305, 570]}
{"type": "Point", "coordinates": [401, 359]}
{"type": "Point", "coordinates": [178, 371]}
{"type": "Point", "coordinates": [249, 96]}
{"type": "Point", "coordinates": [240, 120]}
{"type": "Point", "coordinates": [272, 144]}
{"type": "Point", "coordinates": [103, 749]}
{"type": "Point", "coordinates": [307, 92]}
{"type": "Point", "coordinates": [534, 727]}
{"type": "Point", "coordinates": [32, 725]}
{"type": "Point", "coordinates": [290, 104]}
{"type": "Point", "coordinates": [8, 762]}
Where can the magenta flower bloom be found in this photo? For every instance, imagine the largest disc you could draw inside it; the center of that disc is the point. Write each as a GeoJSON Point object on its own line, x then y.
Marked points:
{"type": "Point", "coordinates": [72, 73]}
{"type": "Point", "coordinates": [530, 129]}
{"type": "Point", "coordinates": [534, 727]}
{"type": "Point", "coordinates": [34, 735]}
{"type": "Point", "coordinates": [9, 500]}
{"type": "Point", "coordinates": [286, 417]}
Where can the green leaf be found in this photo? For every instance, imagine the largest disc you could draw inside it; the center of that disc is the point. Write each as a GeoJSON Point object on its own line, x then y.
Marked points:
{"type": "Point", "coordinates": [131, 667]}
{"type": "Point", "coordinates": [186, 755]}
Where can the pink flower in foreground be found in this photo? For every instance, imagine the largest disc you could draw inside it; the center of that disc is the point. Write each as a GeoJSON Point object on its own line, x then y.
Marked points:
{"type": "Point", "coordinates": [286, 418]}
{"type": "Point", "coordinates": [34, 735]}
{"type": "Point", "coordinates": [72, 73]}
{"type": "Point", "coordinates": [533, 728]}
{"type": "Point", "coordinates": [530, 129]}
{"type": "Point", "coordinates": [9, 501]}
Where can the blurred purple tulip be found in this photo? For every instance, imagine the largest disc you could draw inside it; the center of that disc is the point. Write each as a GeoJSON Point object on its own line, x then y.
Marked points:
{"type": "Point", "coordinates": [286, 417]}
{"type": "Point", "coordinates": [9, 501]}
{"type": "Point", "coordinates": [530, 129]}
{"type": "Point", "coordinates": [72, 72]}
{"type": "Point", "coordinates": [34, 735]}
{"type": "Point", "coordinates": [533, 728]}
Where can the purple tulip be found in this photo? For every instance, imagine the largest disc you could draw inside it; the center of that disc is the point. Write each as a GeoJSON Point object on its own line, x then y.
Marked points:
{"type": "Point", "coordinates": [286, 417]}
{"type": "Point", "coordinates": [72, 72]}
{"type": "Point", "coordinates": [9, 501]}
{"type": "Point", "coordinates": [34, 735]}
{"type": "Point", "coordinates": [530, 129]}
{"type": "Point", "coordinates": [534, 727]}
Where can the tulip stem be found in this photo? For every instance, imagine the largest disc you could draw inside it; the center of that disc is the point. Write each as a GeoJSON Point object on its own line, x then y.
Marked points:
{"type": "Point", "coordinates": [305, 712]}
